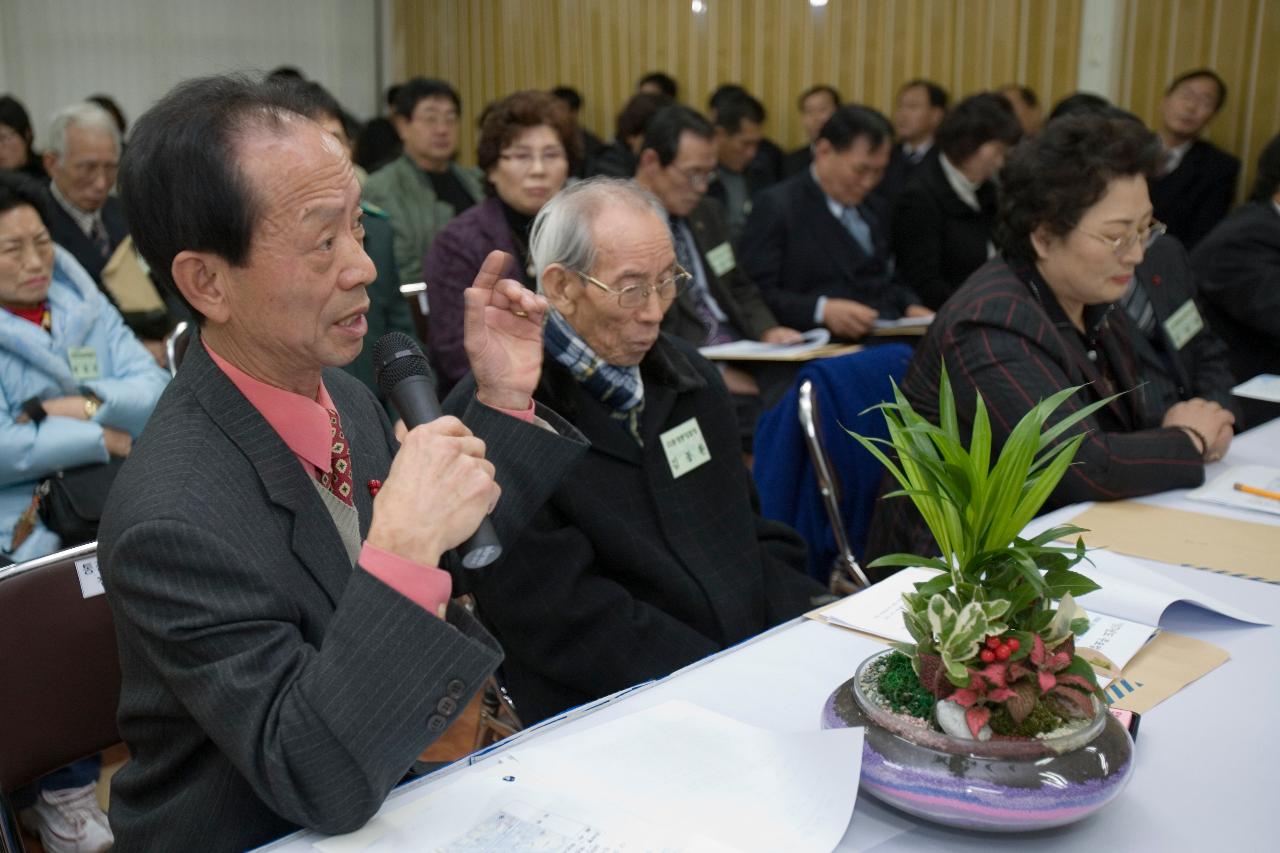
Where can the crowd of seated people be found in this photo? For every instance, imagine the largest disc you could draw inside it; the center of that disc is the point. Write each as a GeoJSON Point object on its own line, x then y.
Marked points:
{"type": "Point", "coordinates": [1086, 250]}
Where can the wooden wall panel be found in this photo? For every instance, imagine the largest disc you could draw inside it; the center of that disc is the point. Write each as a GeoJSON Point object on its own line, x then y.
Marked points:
{"type": "Point", "coordinates": [1237, 38]}
{"type": "Point", "coordinates": [776, 48]}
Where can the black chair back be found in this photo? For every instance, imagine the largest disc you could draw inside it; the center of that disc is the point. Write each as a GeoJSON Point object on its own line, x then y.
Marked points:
{"type": "Point", "coordinates": [59, 670]}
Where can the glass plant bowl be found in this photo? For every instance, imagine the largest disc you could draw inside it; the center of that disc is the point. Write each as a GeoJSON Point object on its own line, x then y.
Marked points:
{"type": "Point", "coordinates": [1000, 785]}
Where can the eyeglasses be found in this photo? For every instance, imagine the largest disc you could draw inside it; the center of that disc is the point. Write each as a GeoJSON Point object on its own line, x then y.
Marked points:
{"type": "Point", "coordinates": [524, 159]}
{"type": "Point", "coordinates": [1122, 245]}
{"type": "Point", "coordinates": [636, 295]}
{"type": "Point", "coordinates": [696, 177]}
{"type": "Point", "coordinates": [90, 170]}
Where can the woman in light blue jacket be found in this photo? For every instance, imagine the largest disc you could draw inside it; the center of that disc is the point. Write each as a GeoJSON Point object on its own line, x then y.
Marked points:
{"type": "Point", "coordinates": [76, 387]}
{"type": "Point", "coordinates": [70, 394]}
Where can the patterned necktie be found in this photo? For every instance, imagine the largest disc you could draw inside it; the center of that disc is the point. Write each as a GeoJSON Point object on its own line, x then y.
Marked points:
{"type": "Point", "coordinates": [338, 478]}
{"type": "Point", "coordinates": [858, 227]}
{"type": "Point", "coordinates": [716, 332]}
{"type": "Point", "coordinates": [100, 237]}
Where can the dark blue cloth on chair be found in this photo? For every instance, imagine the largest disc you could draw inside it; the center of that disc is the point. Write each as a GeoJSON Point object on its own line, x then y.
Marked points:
{"type": "Point", "coordinates": [843, 387]}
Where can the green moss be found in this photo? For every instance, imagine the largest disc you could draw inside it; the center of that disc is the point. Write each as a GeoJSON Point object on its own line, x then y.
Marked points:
{"type": "Point", "coordinates": [902, 689]}
{"type": "Point", "coordinates": [1039, 721]}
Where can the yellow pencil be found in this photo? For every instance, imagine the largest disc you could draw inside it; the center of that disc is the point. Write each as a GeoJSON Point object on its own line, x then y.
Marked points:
{"type": "Point", "coordinates": [1254, 490]}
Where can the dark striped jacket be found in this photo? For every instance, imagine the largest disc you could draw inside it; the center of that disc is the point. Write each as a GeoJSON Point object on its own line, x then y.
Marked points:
{"type": "Point", "coordinates": [1000, 340]}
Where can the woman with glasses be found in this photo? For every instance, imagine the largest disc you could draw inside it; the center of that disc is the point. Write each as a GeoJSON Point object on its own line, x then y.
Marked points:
{"type": "Point", "coordinates": [527, 149]}
{"type": "Point", "coordinates": [76, 388]}
{"type": "Point", "coordinates": [1075, 222]}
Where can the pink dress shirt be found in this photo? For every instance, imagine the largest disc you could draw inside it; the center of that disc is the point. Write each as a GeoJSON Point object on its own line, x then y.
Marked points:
{"type": "Point", "coordinates": [303, 425]}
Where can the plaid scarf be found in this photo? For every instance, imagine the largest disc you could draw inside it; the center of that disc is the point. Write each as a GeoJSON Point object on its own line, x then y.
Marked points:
{"type": "Point", "coordinates": [619, 388]}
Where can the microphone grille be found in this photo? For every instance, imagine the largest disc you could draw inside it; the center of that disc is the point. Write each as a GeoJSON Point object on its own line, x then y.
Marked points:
{"type": "Point", "coordinates": [396, 357]}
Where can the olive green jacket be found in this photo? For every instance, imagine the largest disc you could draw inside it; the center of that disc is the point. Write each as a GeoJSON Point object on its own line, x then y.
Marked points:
{"type": "Point", "coordinates": [404, 191]}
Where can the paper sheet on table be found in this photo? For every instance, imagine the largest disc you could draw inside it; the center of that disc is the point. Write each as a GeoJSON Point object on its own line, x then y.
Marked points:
{"type": "Point", "coordinates": [1164, 666]}
{"type": "Point", "coordinates": [1109, 644]}
{"type": "Point", "coordinates": [902, 326]}
{"type": "Point", "coordinates": [672, 777]}
{"type": "Point", "coordinates": [501, 806]}
{"type": "Point", "coordinates": [1264, 386]}
{"type": "Point", "coordinates": [1221, 489]}
{"type": "Point", "coordinates": [813, 339]}
{"type": "Point", "coordinates": [1242, 549]}
{"type": "Point", "coordinates": [1133, 591]}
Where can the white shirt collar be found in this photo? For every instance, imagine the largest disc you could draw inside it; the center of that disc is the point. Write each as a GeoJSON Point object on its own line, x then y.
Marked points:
{"type": "Point", "coordinates": [1173, 156]}
{"type": "Point", "coordinates": [965, 188]}
{"type": "Point", "coordinates": [836, 208]}
{"type": "Point", "coordinates": [917, 150]}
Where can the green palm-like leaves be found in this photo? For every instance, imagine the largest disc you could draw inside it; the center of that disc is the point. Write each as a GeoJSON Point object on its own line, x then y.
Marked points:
{"type": "Point", "coordinates": [976, 510]}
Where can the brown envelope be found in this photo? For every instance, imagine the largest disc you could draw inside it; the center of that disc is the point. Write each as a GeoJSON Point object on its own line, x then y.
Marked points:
{"type": "Point", "coordinates": [1243, 549]}
{"type": "Point", "coordinates": [1164, 666]}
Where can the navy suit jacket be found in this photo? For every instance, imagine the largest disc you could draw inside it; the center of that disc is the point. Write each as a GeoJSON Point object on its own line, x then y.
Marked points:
{"type": "Point", "coordinates": [67, 234]}
{"type": "Point", "coordinates": [795, 251]}
{"type": "Point", "coordinates": [1197, 195]}
{"type": "Point", "coordinates": [1238, 266]}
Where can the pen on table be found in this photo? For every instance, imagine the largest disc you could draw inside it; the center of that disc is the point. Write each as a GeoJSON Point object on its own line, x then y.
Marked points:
{"type": "Point", "coordinates": [1254, 490]}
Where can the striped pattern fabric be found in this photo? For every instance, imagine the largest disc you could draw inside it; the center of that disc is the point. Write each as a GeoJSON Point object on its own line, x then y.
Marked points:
{"type": "Point", "coordinates": [268, 683]}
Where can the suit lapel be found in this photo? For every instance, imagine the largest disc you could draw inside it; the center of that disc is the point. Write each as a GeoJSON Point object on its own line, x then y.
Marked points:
{"type": "Point", "coordinates": [315, 540]}
{"type": "Point", "coordinates": [845, 250]}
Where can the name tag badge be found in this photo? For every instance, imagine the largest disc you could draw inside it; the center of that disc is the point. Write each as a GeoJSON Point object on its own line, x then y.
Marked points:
{"type": "Point", "coordinates": [1184, 324]}
{"type": "Point", "coordinates": [685, 448]}
{"type": "Point", "coordinates": [84, 363]}
{"type": "Point", "coordinates": [721, 259]}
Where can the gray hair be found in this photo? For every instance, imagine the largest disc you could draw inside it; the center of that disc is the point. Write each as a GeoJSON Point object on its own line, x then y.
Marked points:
{"type": "Point", "coordinates": [84, 114]}
{"type": "Point", "coordinates": [562, 232]}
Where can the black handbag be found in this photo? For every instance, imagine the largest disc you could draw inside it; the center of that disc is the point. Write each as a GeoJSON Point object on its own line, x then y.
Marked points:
{"type": "Point", "coordinates": [71, 501]}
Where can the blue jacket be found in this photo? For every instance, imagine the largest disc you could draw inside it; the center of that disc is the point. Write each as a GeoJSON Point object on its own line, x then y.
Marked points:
{"type": "Point", "coordinates": [844, 387]}
{"type": "Point", "coordinates": [34, 363]}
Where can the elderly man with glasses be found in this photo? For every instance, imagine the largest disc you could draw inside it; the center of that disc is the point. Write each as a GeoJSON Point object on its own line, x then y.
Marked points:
{"type": "Point", "coordinates": [652, 553]}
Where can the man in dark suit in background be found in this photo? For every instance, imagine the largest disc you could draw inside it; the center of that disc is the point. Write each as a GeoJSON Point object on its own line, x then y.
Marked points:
{"type": "Point", "coordinates": [1195, 183]}
{"type": "Point", "coordinates": [653, 553]}
{"type": "Point", "coordinates": [743, 167]}
{"type": "Point", "coordinates": [286, 643]}
{"type": "Point", "coordinates": [82, 158]}
{"type": "Point", "coordinates": [816, 244]}
{"type": "Point", "coordinates": [920, 108]}
{"type": "Point", "coordinates": [1238, 268]}
{"type": "Point", "coordinates": [817, 104]}
{"type": "Point", "coordinates": [721, 304]}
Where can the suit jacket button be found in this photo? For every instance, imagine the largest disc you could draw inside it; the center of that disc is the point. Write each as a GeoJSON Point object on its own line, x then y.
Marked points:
{"type": "Point", "coordinates": [456, 688]}
{"type": "Point", "coordinates": [446, 706]}
{"type": "Point", "coordinates": [436, 723]}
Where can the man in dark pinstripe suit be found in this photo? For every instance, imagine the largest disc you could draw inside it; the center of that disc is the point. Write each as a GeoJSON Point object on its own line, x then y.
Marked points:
{"type": "Point", "coordinates": [287, 645]}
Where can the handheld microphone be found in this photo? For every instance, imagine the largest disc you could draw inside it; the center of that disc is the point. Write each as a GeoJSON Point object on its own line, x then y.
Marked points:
{"type": "Point", "coordinates": [404, 377]}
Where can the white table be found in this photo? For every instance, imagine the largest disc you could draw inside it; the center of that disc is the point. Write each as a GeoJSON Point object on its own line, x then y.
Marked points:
{"type": "Point", "coordinates": [1201, 782]}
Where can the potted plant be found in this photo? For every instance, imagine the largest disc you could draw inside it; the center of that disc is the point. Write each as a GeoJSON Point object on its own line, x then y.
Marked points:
{"type": "Point", "coordinates": [989, 719]}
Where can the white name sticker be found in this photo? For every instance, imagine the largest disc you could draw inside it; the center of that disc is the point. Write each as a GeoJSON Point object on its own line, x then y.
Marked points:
{"type": "Point", "coordinates": [685, 448]}
{"type": "Point", "coordinates": [90, 580]}
{"type": "Point", "coordinates": [721, 259]}
{"type": "Point", "coordinates": [84, 363]}
{"type": "Point", "coordinates": [1184, 324]}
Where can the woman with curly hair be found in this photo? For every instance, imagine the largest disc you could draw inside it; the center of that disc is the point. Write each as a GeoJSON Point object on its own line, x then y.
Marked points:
{"type": "Point", "coordinates": [1074, 221]}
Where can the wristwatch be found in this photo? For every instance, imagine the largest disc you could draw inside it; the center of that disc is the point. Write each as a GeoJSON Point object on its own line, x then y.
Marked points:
{"type": "Point", "coordinates": [91, 406]}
